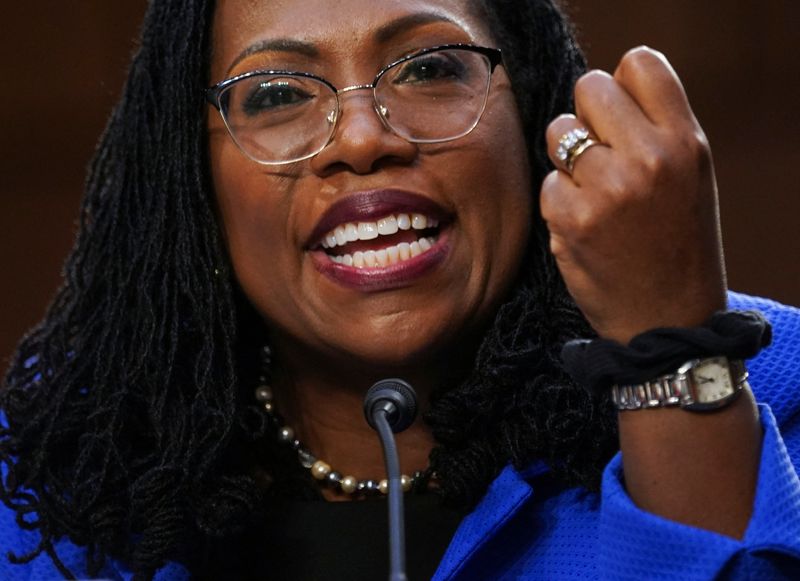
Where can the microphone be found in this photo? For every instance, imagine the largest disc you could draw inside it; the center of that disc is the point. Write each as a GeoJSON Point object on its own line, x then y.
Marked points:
{"type": "Point", "coordinates": [390, 406]}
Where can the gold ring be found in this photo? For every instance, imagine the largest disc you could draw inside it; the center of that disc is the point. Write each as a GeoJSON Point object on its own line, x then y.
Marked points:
{"type": "Point", "coordinates": [578, 150]}
{"type": "Point", "coordinates": [572, 145]}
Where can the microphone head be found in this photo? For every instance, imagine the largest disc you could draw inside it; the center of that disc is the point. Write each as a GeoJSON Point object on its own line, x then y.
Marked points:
{"type": "Point", "coordinates": [395, 397]}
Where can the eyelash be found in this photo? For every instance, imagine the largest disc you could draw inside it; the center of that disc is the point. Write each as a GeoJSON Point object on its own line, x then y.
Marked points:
{"type": "Point", "coordinates": [450, 67]}
{"type": "Point", "coordinates": [254, 102]}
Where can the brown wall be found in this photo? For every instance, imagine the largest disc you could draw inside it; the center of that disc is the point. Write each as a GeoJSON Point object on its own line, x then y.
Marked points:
{"type": "Point", "coordinates": [64, 63]}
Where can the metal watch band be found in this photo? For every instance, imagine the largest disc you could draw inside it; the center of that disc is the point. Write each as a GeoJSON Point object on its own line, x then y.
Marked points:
{"type": "Point", "coordinates": [674, 389]}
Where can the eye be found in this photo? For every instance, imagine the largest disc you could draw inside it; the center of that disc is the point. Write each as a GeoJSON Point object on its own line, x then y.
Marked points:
{"type": "Point", "coordinates": [433, 67]}
{"type": "Point", "coordinates": [273, 95]}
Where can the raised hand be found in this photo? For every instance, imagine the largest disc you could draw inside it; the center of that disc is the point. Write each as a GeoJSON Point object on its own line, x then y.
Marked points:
{"type": "Point", "coordinates": [635, 225]}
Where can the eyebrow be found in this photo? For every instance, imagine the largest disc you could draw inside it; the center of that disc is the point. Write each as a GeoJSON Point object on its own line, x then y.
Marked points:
{"type": "Point", "coordinates": [392, 29]}
{"type": "Point", "coordinates": [385, 33]}
{"type": "Point", "coordinates": [276, 45]}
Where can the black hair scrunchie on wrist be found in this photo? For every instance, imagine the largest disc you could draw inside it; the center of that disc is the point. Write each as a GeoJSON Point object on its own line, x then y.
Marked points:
{"type": "Point", "coordinates": [601, 363]}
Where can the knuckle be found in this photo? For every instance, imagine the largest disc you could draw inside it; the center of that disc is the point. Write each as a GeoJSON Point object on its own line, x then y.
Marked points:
{"type": "Point", "coordinates": [558, 247]}
{"type": "Point", "coordinates": [557, 127]}
{"type": "Point", "coordinates": [639, 61]}
{"type": "Point", "coordinates": [695, 143]}
{"type": "Point", "coordinates": [591, 85]}
{"type": "Point", "coordinates": [585, 221]}
{"type": "Point", "coordinates": [654, 160]}
{"type": "Point", "coordinates": [618, 189]}
{"type": "Point", "coordinates": [584, 228]}
{"type": "Point", "coordinates": [643, 55]}
{"type": "Point", "coordinates": [685, 149]}
{"type": "Point", "coordinates": [548, 199]}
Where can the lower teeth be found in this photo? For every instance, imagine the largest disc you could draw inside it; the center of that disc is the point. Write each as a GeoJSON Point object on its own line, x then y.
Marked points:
{"type": "Point", "coordinates": [386, 256]}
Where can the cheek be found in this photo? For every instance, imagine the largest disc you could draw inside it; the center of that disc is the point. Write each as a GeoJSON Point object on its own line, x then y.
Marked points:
{"type": "Point", "coordinates": [502, 175]}
{"type": "Point", "coordinates": [254, 217]}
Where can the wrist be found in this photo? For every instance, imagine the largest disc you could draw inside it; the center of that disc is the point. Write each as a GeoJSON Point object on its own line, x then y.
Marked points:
{"type": "Point", "coordinates": [598, 364]}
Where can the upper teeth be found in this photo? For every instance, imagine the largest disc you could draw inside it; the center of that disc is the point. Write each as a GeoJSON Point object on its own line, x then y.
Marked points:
{"type": "Point", "coordinates": [352, 231]}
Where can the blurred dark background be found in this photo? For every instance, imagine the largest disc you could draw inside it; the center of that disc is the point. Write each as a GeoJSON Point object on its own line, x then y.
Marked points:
{"type": "Point", "coordinates": [64, 64]}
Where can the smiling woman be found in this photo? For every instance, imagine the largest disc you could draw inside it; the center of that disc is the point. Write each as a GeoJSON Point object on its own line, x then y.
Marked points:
{"type": "Point", "coordinates": [295, 200]}
{"type": "Point", "coordinates": [367, 171]}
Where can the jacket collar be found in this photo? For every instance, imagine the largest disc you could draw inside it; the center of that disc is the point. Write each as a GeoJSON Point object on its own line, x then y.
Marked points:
{"type": "Point", "coordinates": [504, 498]}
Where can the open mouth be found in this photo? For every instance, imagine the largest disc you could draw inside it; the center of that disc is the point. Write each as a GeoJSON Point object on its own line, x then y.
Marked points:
{"type": "Point", "coordinates": [389, 240]}
{"type": "Point", "coordinates": [378, 240]}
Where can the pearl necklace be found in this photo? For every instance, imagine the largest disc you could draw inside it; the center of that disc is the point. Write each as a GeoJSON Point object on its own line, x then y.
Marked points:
{"type": "Point", "coordinates": [321, 470]}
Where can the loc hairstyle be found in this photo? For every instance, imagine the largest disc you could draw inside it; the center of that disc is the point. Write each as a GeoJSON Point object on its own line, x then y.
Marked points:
{"type": "Point", "coordinates": [126, 426]}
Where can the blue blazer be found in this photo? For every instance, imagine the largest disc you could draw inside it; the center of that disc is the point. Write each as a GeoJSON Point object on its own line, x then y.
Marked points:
{"type": "Point", "coordinates": [525, 527]}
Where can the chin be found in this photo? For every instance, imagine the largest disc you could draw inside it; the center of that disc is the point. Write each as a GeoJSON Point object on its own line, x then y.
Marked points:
{"type": "Point", "coordinates": [408, 349]}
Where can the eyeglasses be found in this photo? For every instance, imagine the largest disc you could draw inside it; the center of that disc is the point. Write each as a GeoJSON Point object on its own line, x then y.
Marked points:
{"type": "Point", "coordinates": [434, 95]}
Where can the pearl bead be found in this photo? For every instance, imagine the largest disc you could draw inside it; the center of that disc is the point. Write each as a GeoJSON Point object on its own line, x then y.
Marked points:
{"type": "Point", "coordinates": [264, 393]}
{"type": "Point", "coordinates": [286, 434]}
{"type": "Point", "coordinates": [320, 470]}
{"type": "Point", "coordinates": [349, 484]}
{"type": "Point", "coordinates": [306, 458]}
{"type": "Point", "coordinates": [368, 486]}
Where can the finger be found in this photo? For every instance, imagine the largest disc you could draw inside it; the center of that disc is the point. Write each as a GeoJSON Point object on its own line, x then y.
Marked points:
{"type": "Point", "coordinates": [559, 195]}
{"type": "Point", "coordinates": [649, 78]}
{"type": "Point", "coordinates": [575, 219]}
{"type": "Point", "coordinates": [614, 116]}
{"type": "Point", "coordinates": [568, 214]}
{"type": "Point", "coordinates": [588, 163]}
{"type": "Point", "coordinates": [570, 211]}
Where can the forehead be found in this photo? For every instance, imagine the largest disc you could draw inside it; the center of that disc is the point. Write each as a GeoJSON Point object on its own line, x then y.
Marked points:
{"type": "Point", "coordinates": [338, 27]}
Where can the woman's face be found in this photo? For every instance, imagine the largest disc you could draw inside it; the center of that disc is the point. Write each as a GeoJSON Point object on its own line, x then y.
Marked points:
{"type": "Point", "coordinates": [276, 217]}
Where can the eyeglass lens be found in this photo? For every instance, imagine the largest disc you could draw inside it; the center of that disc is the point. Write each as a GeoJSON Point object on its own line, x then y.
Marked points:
{"type": "Point", "coordinates": [436, 96]}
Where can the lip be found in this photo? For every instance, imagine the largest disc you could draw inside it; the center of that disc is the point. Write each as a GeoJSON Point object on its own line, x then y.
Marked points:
{"type": "Point", "coordinates": [378, 279]}
{"type": "Point", "coordinates": [371, 205]}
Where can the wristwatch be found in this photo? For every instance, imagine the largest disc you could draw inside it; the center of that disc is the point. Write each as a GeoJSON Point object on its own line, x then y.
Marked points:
{"type": "Point", "coordinates": [698, 385]}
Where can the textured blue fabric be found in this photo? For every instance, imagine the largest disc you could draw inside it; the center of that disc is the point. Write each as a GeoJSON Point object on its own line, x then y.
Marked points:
{"type": "Point", "coordinates": [527, 527]}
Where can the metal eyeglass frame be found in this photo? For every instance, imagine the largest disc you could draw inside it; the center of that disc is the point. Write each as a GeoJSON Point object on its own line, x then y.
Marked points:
{"type": "Point", "coordinates": [214, 94]}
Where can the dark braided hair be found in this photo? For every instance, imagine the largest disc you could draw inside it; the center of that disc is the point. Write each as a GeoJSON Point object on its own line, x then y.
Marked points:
{"type": "Point", "coordinates": [517, 404]}
{"type": "Point", "coordinates": [126, 427]}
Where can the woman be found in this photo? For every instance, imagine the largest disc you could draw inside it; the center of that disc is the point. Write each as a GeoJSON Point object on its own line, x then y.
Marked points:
{"type": "Point", "coordinates": [240, 262]}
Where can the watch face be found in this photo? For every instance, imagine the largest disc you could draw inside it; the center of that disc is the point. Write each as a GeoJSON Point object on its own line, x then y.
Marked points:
{"type": "Point", "coordinates": [712, 380]}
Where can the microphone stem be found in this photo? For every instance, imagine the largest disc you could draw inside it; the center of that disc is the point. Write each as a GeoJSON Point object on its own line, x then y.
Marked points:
{"type": "Point", "coordinates": [397, 550]}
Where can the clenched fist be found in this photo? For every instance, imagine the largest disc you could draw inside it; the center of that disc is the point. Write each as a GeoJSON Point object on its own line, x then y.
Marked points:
{"type": "Point", "coordinates": [635, 226]}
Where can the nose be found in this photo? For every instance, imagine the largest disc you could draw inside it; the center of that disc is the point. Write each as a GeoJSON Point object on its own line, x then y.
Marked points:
{"type": "Point", "coordinates": [361, 142]}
